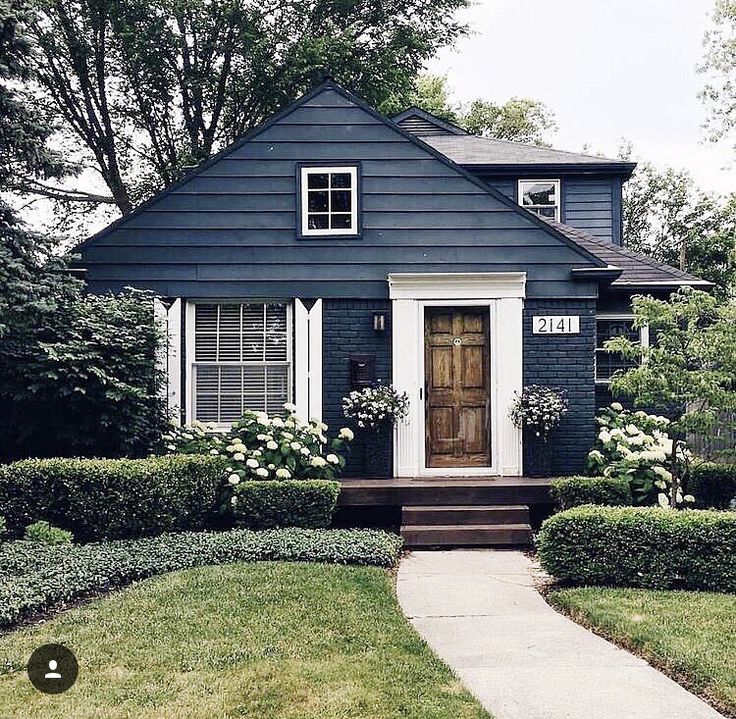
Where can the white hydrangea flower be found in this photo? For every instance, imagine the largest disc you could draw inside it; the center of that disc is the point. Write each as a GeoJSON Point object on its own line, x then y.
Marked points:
{"type": "Point", "coordinates": [332, 459]}
{"type": "Point", "coordinates": [271, 445]}
{"type": "Point", "coordinates": [617, 407]}
{"type": "Point", "coordinates": [261, 472]}
{"type": "Point", "coordinates": [283, 473]}
{"type": "Point", "coordinates": [318, 462]}
{"type": "Point", "coordinates": [252, 463]}
{"type": "Point", "coordinates": [272, 467]}
{"type": "Point", "coordinates": [238, 456]}
{"type": "Point", "coordinates": [296, 446]}
{"type": "Point", "coordinates": [289, 407]}
{"type": "Point", "coordinates": [347, 433]}
{"type": "Point", "coordinates": [305, 451]}
{"type": "Point", "coordinates": [234, 479]}
{"type": "Point", "coordinates": [214, 452]}
{"type": "Point", "coordinates": [277, 422]}
{"type": "Point", "coordinates": [233, 500]}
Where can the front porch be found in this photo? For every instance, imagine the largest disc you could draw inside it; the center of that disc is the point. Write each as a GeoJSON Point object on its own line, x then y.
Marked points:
{"type": "Point", "coordinates": [455, 511]}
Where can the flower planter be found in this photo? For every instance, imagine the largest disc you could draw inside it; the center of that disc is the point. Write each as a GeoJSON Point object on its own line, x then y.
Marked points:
{"type": "Point", "coordinates": [537, 457]}
{"type": "Point", "coordinates": [378, 455]}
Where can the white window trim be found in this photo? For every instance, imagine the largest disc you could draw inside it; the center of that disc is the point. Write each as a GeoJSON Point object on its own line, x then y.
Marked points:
{"type": "Point", "coordinates": [190, 348]}
{"type": "Point", "coordinates": [530, 208]}
{"type": "Point", "coordinates": [643, 338]}
{"type": "Point", "coordinates": [352, 170]}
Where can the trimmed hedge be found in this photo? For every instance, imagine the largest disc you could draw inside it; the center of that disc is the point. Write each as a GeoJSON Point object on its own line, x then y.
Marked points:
{"type": "Point", "coordinates": [568, 492]}
{"type": "Point", "coordinates": [285, 503]}
{"type": "Point", "coordinates": [112, 498]}
{"type": "Point", "coordinates": [35, 578]}
{"type": "Point", "coordinates": [641, 547]}
{"type": "Point", "coordinates": [713, 485]}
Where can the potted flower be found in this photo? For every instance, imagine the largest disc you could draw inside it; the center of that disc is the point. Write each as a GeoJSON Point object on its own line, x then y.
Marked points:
{"type": "Point", "coordinates": [537, 411]}
{"type": "Point", "coordinates": [375, 410]}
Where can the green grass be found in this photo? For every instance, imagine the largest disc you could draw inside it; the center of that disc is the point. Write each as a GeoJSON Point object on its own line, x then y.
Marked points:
{"type": "Point", "coordinates": [690, 635]}
{"type": "Point", "coordinates": [265, 640]}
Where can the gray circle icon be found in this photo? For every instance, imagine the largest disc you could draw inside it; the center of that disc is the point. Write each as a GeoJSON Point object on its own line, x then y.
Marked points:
{"type": "Point", "coordinates": [53, 668]}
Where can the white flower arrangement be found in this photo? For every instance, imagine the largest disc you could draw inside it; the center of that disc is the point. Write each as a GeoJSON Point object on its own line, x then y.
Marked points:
{"type": "Point", "coordinates": [538, 409]}
{"type": "Point", "coordinates": [635, 446]}
{"type": "Point", "coordinates": [260, 447]}
{"type": "Point", "coordinates": [374, 407]}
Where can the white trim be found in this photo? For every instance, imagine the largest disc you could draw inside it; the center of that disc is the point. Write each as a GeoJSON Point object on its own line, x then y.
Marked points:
{"type": "Point", "coordinates": [189, 328]}
{"type": "Point", "coordinates": [308, 360]}
{"type": "Point", "coordinates": [456, 285]}
{"type": "Point", "coordinates": [304, 176]}
{"type": "Point", "coordinates": [532, 208]}
{"type": "Point", "coordinates": [169, 356]}
{"type": "Point", "coordinates": [506, 348]}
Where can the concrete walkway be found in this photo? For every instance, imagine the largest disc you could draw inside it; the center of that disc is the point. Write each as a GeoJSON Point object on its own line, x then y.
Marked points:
{"type": "Point", "coordinates": [479, 611]}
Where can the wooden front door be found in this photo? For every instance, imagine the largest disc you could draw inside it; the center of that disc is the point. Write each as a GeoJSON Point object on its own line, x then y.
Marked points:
{"type": "Point", "coordinates": [457, 385]}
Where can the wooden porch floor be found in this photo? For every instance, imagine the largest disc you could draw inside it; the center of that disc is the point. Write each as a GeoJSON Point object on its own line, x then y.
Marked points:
{"type": "Point", "coordinates": [447, 491]}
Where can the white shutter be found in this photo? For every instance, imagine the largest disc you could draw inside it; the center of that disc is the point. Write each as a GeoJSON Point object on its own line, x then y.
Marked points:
{"type": "Point", "coordinates": [308, 360]}
{"type": "Point", "coordinates": [169, 356]}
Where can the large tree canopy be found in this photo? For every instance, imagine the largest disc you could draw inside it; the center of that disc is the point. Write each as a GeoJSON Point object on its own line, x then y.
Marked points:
{"type": "Point", "coordinates": [518, 119]}
{"type": "Point", "coordinates": [666, 216]}
{"type": "Point", "coordinates": [144, 88]}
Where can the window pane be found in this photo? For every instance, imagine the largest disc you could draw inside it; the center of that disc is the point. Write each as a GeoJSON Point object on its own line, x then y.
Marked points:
{"type": "Point", "coordinates": [539, 193]}
{"type": "Point", "coordinates": [340, 179]}
{"type": "Point", "coordinates": [277, 388]}
{"type": "Point", "coordinates": [317, 180]}
{"type": "Point", "coordinates": [341, 200]}
{"type": "Point", "coordinates": [317, 202]}
{"type": "Point", "coordinates": [609, 362]}
{"type": "Point", "coordinates": [252, 336]}
{"type": "Point", "coordinates": [254, 388]}
{"type": "Point", "coordinates": [318, 222]}
{"type": "Point", "coordinates": [341, 222]}
{"type": "Point", "coordinates": [276, 334]}
{"type": "Point", "coordinates": [207, 392]}
{"type": "Point", "coordinates": [543, 211]}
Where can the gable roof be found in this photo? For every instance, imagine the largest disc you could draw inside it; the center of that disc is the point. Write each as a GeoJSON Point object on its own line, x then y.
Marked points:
{"type": "Point", "coordinates": [330, 85]}
{"type": "Point", "coordinates": [421, 123]}
{"type": "Point", "coordinates": [636, 268]}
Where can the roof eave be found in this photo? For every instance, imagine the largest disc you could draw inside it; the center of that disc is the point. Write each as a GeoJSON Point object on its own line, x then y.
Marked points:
{"type": "Point", "coordinates": [609, 274]}
{"type": "Point", "coordinates": [664, 283]}
{"type": "Point", "coordinates": [579, 168]}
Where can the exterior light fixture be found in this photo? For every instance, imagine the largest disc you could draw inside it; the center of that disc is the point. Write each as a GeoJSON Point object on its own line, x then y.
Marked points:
{"type": "Point", "coordinates": [379, 321]}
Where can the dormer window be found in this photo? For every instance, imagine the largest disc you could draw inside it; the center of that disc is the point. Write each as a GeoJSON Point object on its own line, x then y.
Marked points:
{"type": "Point", "coordinates": [329, 201]}
{"type": "Point", "coordinates": [542, 197]}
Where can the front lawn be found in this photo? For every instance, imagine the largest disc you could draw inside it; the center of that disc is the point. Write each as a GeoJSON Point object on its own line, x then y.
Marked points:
{"type": "Point", "coordinates": [690, 635]}
{"type": "Point", "coordinates": [266, 640]}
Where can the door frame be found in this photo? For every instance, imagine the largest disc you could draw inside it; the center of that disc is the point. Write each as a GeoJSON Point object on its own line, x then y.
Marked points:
{"type": "Point", "coordinates": [503, 293]}
{"type": "Point", "coordinates": [425, 471]}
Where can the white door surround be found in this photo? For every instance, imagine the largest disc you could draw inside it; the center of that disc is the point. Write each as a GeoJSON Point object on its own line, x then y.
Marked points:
{"type": "Point", "coordinates": [503, 293]}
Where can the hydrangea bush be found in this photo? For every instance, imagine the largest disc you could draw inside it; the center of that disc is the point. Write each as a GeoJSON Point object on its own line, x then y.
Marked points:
{"type": "Point", "coordinates": [263, 447]}
{"type": "Point", "coordinates": [376, 407]}
{"type": "Point", "coordinates": [636, 446]}
{"type": "Point", "coordinates": [538, 409]}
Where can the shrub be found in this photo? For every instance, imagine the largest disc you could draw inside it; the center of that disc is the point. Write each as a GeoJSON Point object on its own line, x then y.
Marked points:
{"type": "Point", "coordinates": [568, 492]}
{"type": "Point", "coordinates": [112, 498]}
{"type": "Point", "coordinates": [641, 547]}
{"type": "Point", "coordinates": [259, 447]}
{"type": "Point", "coordinates": [2, 527]}
{"type": "Point", "coordinates": [287, 503]}
{"type": "Point", "coordinates": [45, 533]}
{"type": "Point", "coordinates": [635, 446]}
{"type": "Point", "coordinates": [34, 578]}
{"type": "Point", "coordinates": [714, 485]}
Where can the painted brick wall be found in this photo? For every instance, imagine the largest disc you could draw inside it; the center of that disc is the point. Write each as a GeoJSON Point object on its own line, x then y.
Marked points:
{"type": "Point", "coordinates": [564, 361]}
{"type": "Point", "coordinates": [347, 328]}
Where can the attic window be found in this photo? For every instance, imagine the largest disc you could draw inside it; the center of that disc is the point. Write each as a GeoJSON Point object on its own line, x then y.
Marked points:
{"type": "Point", "coordinates": [329, 201]}
{"type": "Point", "coordinates": [542, 197]}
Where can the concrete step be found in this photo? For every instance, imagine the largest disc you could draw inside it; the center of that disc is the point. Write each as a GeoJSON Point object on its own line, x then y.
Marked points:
{"type": "Point", "coordinates": [465, 514]}
{"type": "Point", "coordinates": [467, 535]}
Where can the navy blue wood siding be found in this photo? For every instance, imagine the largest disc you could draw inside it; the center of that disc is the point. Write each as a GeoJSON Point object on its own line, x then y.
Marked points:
{"type": "Point", "coordinates": [230, 230]}
{"type": "Point", "coordinates": [589, 202]}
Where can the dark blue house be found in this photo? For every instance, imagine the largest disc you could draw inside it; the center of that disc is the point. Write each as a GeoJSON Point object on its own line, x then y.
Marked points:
{"type": "Point", "coordinates": [333, 246]}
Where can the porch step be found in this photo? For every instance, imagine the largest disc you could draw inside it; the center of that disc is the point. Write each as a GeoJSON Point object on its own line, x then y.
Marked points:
{"type": "Point", "coordinates": [466, 535]}
{"type": "Point", "coordinates": [477, 515]}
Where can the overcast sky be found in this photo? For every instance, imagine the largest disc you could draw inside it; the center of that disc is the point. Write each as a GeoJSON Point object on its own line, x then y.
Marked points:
{"type": "Point", "coordinates": [609, 70]}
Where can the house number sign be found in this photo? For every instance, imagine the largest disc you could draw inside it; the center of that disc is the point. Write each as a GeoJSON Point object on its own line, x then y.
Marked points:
{"type": "Point", "coordinates": [556, 325]}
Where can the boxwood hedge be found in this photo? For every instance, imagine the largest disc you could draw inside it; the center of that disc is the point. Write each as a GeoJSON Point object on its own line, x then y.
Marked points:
{"type": "Point", "coordinates": [641, 547]}
{"type": "Point", "coordinates": [35, 578]}
{"type": "Point", "coordinates": [713, 485]}
{"type": "Point", "coordinates": [112, 498]}
{"type": "Point", "coordinates": [265, 504]}
{"type": "Point", "coordinates": [568, 492]}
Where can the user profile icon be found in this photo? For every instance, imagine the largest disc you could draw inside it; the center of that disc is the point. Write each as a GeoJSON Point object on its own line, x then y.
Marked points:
{"type": "Point", "coordinates": [53, 668]}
